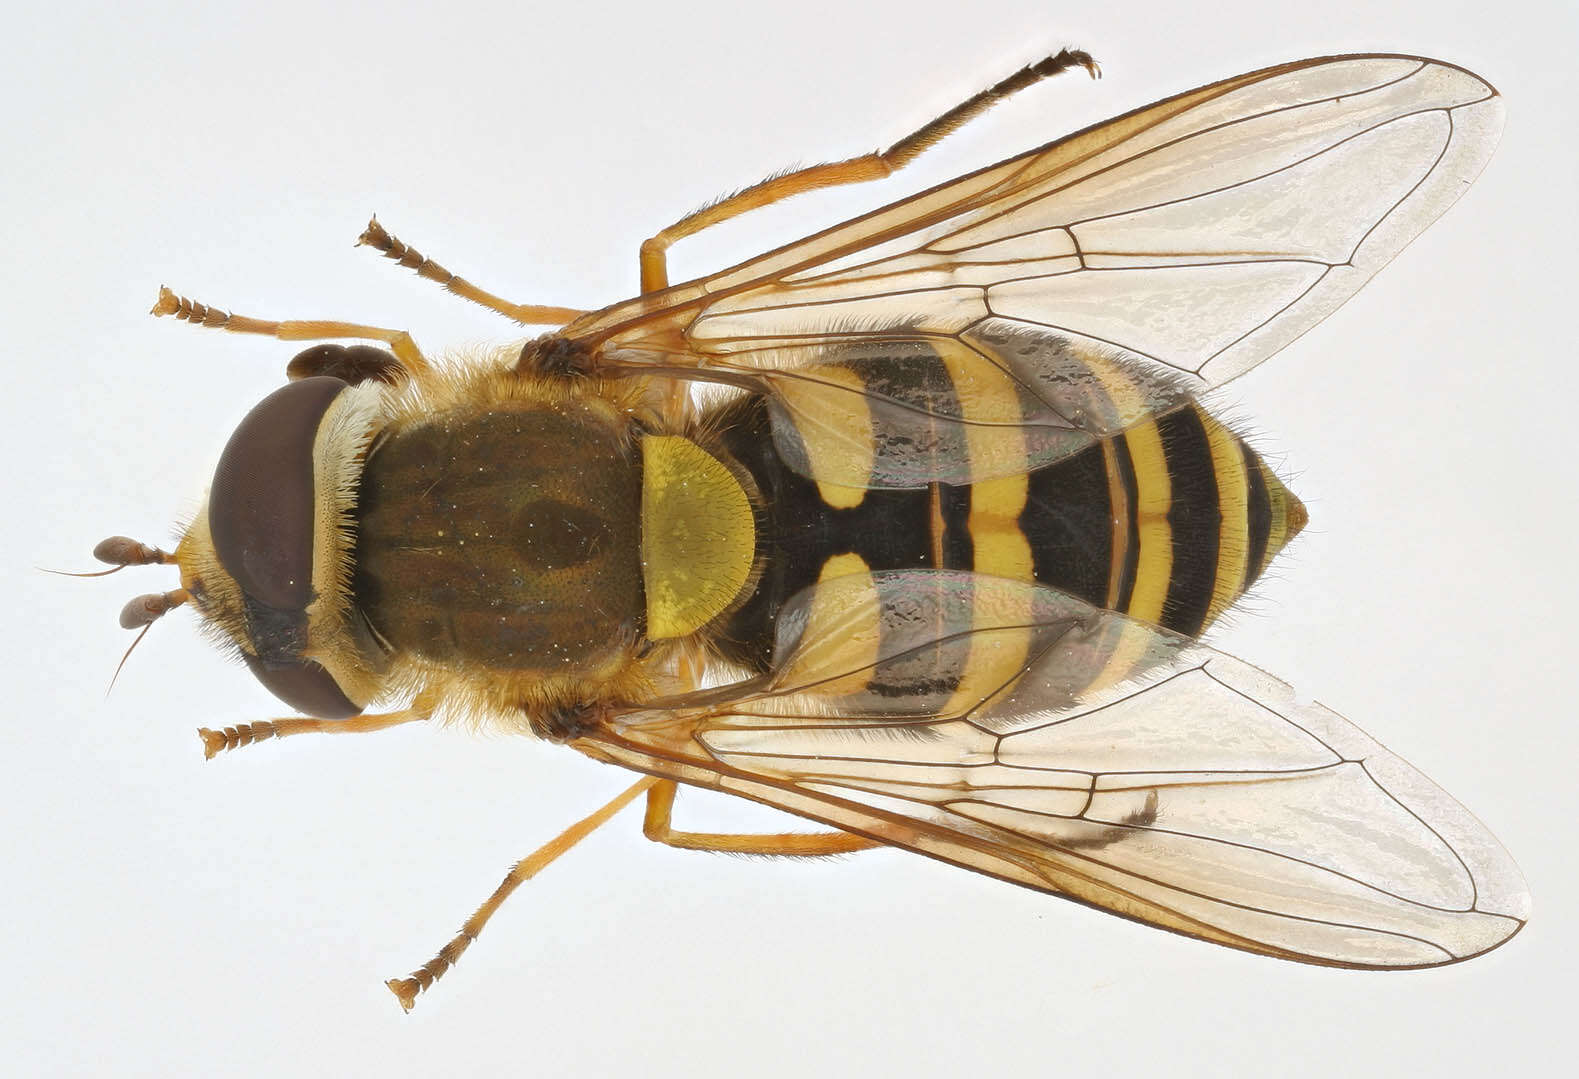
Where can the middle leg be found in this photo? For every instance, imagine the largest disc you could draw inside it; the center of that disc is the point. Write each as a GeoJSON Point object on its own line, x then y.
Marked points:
{"type": "Point", "coordinates": [660, 807]}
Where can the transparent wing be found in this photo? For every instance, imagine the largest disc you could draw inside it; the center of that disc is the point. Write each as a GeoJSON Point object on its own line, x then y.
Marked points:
{"type": "Point", "coordinates": [1203, 232]}
{"type": "Point", "coordinates": [1180, 244]}
{"type": "Point", "coordinates": [1015, 731]}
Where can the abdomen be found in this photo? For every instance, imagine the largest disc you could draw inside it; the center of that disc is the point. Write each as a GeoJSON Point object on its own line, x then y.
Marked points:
{"type": "Point", "coordinates": [1169, 522]}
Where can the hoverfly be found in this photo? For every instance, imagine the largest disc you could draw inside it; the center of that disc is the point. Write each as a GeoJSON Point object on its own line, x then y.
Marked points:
{"type": "Point", "coordinates": [909, 528]}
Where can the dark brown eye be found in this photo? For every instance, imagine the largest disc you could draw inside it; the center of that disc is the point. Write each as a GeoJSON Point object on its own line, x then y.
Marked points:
{"type": "Point", "coordinates": [260, 517]}
{"type": "Point", "coordinates": [260, 507]}
{"type": "Point", "coordinates": [304, 686]}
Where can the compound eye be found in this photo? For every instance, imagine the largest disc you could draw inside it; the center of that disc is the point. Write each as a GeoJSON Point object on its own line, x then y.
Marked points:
{"type": "Point", "coordinates": [260, 518]}
{"type": "Point", "coordinates": [304, 686]}
{"type": "Point", "coordinates": [260, 507]}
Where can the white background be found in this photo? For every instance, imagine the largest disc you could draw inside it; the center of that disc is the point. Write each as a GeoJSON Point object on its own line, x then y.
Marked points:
{"type": "Point", "coordinates": [164, 914]}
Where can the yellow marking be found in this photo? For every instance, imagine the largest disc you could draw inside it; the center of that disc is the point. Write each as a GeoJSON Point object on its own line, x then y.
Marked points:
{"type": "Point", "coordinates": [1233, 502]}
{"type": "Point", "coordinates": [698, 538]}
{"type": "Point", "coordinates": [1124, 655]}
{"type": "Point", "coordinates": [1126, 405]}
{"type": "Point", "coordinates": [339, 453]}
{"type": "Point", "coordinates": [1154, 494]}
{"type": "Point", "coordinates": [1118, 501]}
{"type": "Point", "coordinates": [1295, 515]}
{"type": "Point", "coordinates": [1154, 536]}
{"type": "Point", "coordinates": [988, 400]}
{"type": "Point", "coordinates": [1001, 548]}
{"type": "Point", "coordinates": [1287, 512]}
{"type": "Point", "coordinates": [843, 631]}
{"type": "Point", "coordinates": [989, 403]}
{"type": "Point", "coordinates": [936, 522]}
{"type": "Point", "coordinates": [828, 406]}
{"type": "Point", "coordinates": [840, 498]}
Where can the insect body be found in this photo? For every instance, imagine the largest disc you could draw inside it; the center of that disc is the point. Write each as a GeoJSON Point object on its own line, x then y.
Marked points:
{"type": "Point", "coordinates": [927, 560]}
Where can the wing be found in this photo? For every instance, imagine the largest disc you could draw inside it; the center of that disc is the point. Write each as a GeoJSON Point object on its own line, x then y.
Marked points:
{"type": "Point", "coordinates": [1018, 732]}
{"type": "Point", "coordinates": [1181, 243]}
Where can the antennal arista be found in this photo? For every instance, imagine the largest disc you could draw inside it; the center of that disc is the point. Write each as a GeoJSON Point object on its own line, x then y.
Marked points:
{"type": "Point", "coordinates": [142, 611]}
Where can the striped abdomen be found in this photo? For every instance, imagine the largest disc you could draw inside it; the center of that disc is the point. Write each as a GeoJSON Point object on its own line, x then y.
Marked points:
{"type": "Point", "coordinates": [1168, 521]}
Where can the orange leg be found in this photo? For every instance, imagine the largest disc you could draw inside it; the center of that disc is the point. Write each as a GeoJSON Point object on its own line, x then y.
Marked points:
{"type": "Point", "coordinates": [399, 341]}
{"type": "Point", "coordinates": [406, 989]}
{"type": "Point", "coordinates": [856, 170]}
{"type": "Point", "coordinates": [660, 800]}
{"type": "Point", "coordinates": [526, 314]}
{"type": "Point", "coordinates": [245, 734]}
{"type": "Point", "coordinates": [660, 807]}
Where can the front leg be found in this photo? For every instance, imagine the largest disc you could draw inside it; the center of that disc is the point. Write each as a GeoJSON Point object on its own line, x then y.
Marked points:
{"type": "Point", "coordinates": [362, 362]}
{"type": "Point", "coordinates": [246, 734]}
